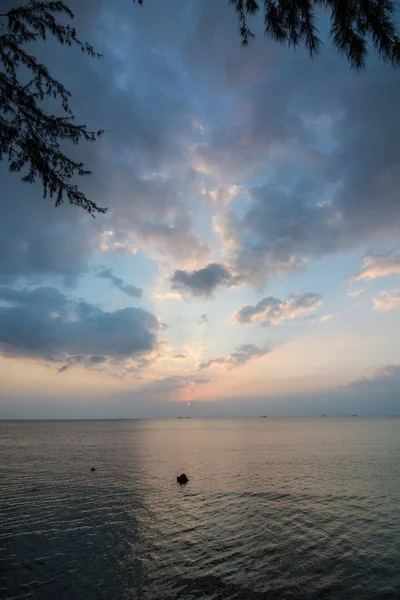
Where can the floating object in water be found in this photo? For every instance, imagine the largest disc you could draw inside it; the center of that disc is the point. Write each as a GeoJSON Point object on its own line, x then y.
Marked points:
{"type": "Point", "coordinates": [93, 469]}
{"type": "Point", "coordinates": [182, 478]}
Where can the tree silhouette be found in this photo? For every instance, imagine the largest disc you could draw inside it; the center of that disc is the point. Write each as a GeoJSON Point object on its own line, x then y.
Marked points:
{"type": "Point", "coordinates": [31, 137]}
{"type": "Point", "coordinates": [354, 23]}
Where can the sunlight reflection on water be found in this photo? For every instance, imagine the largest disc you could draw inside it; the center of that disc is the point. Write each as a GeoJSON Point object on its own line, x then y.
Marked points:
{"type": "Point", "coordinates": [273, 509]}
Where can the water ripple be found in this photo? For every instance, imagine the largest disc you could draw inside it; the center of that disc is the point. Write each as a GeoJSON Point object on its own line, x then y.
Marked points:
{"type": "Point", "coordinates": [274, 509]}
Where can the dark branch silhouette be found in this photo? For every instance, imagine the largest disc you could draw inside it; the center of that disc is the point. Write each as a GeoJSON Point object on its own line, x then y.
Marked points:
{"type": "Point", "coordinates": [354, 23]}
{"type": "Point", "coordinates": [30, 137]}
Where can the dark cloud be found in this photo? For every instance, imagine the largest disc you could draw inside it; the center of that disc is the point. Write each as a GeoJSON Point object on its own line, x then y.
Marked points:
{"type": "Point", "coordinates": [272, 311]}
{"type": "Point", "coordinates": [239, 357]}
{"type": "Point", "coordinates": [203, 282]}
{"type": "Point", "coordinates": [385, 382]}
{"type": "Point", "coordinates": [89, 362]}
{"type": "Point", "coordinates": [293, 122]}
{"type": "Point", "coordinates": [169, 384]}
{"type": "Point", "coordinates": [213, 361]}
{"type": "Point", "coordinates": [44, 323]}
{"type": "Point", "coordinates": [36, 239]}
{"type": "Point", "coordinates": [203, 319]}
{"type": "Point", "coordinates": [97, 359]}
{"type": "Point", "coordinates": [280, 232]}
{"type": "Point", "coordinates": [130, 290]}
{"type": "Point", "coordinates": [329, 153]}
{"type": "Point", "coordinates": [179, 355]}
{"type": "Point", "coordinates": [185, 380]}
{"type": "Point", "coordinates": [135, 166]}
{"type": "Point", "coordinates": [141, 167]}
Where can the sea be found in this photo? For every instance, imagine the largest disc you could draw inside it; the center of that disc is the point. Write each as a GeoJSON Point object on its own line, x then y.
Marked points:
{"type": "Point", "coordinates": [274, 509]}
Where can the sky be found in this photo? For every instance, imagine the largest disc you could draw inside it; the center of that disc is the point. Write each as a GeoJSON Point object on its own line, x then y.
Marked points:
{"type": "Point", "coordinates": [249, 261]}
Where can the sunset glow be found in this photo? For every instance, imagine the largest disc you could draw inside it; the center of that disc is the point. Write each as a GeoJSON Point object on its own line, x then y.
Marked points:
{"type": "Point", "coordinates": [249, 261]}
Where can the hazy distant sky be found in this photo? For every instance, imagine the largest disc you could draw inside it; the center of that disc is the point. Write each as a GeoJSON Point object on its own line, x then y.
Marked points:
{"type": "Point", "coordinates": [249, 262]}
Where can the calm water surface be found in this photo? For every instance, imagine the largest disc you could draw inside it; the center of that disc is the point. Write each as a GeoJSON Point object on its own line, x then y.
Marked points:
{"type": "Point", "coordinates": [275, 509]}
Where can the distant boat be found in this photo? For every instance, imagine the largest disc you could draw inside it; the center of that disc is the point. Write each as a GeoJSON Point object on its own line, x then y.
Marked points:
{"type": "Point", "coordinates": [353, 415]}
{"type": "Point", "coordinates": [323, 415]}
{"type": "Point", "coordinates": [263, 417]}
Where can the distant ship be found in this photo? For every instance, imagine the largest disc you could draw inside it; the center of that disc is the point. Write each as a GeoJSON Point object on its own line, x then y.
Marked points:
{"type": "Point", "coordinates": [323, 415]}
{"type": "Point", "coordinates": [263, 417]}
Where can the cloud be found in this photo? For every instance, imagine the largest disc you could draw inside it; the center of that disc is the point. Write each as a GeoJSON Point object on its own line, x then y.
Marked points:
{"type": "Point", "coordinates": [272, 311]}
{"type": "Point", "coordinates": [179, 356]}
{"type": "Point", "coordinates": [47, 242]}
{"type": "Point", "coordinates": [203, 282]}
{"type": "Point", "coordinates": [161, 296]}
{"type": "Point", "coordinates": [291, 160]}
{"type": "Point", "coordinates": [130, 290]}
{"type": "Point", "coordinates": [89, 362]}
{"type": "Point", "coordinates": [309, 203]}
{"type": "Point", "coordinates": [325, 318]}
{"type": "Point", "coordinates": [140, 167]}
{"type": "Point", "coordinates": [281, 232]}
{"type": "Point", "coordinates": [107, 243]}
{"type": "Point", "coordinates": [45, 324]}
{"type": "Point", "coordinates": [379, 265]}
{"type": "Point", "coordinates": [186, 380]}
{"type": "Point", "coordinates": [214, 361]}
{"type": "Point", "coordinates": [389, 299]}
{"type": "Point", "coordinates": [203, 319]}
{"type": "Point", "coordinates": [146, 168]}
{"type": "Point", "coordinates": [169, 384]}
{"type": "Point", "coordinates": [357, 293]}
{"type": "Point", "coordinates": [385, 382]}
{"type": "Point", "coordinates": [239, 357]}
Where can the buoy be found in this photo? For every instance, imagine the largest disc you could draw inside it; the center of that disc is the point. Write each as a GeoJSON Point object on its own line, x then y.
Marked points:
{"type": "Point", "coordinates": [182, 478]}
{"type": "Point", "coordinates": [92, 469]}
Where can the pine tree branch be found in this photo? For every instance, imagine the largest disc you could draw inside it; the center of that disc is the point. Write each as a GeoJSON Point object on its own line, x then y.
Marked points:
{"type": "Point", "coordinates": [355, 24]}
{"type": "Point", "coordinates": [29, 136]}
